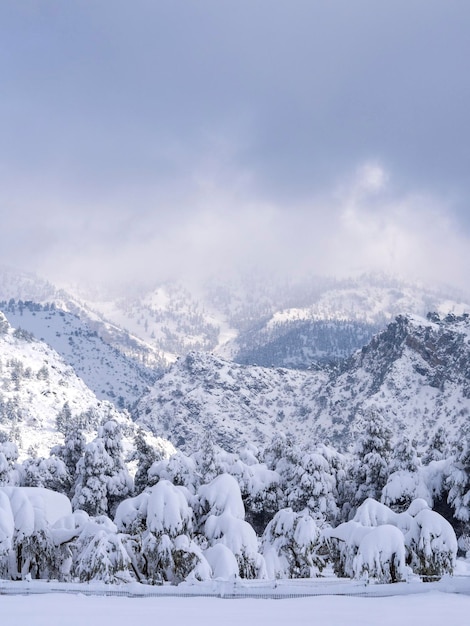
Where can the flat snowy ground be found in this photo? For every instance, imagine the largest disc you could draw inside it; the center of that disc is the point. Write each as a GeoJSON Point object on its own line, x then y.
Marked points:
{"type": "Point", "coordinates": [433, 609]}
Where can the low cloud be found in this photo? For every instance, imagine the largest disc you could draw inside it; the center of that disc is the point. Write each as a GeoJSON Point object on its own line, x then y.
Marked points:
{"type": "Point", "coordinates": [221, 223]}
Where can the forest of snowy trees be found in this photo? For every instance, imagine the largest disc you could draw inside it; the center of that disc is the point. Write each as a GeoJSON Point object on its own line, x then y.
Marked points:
{"type": "Point", "coordinates": [379, 511]}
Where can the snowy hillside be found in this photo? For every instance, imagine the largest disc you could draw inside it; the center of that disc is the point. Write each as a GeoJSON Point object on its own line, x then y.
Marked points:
{"type": "Point", "coordinates": [36, 388]}
{"type": "Point", "coordinates": [252, 319]}
{"type": "Point", "coordinates": [416, 372]}
{"type": "Point", "coordinates": [343, 317]}
{"type": "Point", "coordinates": [109, 373]}
{"type": "Point", "coordinates": [21, 287]}
{"type": "Point", "coordinates": [265, 321]}
{"type": "Point", "coordinates": [235, 404]}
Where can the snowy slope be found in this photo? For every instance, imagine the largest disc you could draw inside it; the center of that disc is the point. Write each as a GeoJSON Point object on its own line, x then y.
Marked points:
{"type": "Point", "coordinates": [202, 394]}
{"type": "Point", "coordinates": [417, 372]}
{"type": "Point", "coordinates": [252, 319]}
{"type": "Point", "coordinates": [35, 384]}
{"type": "Point", "coordinates": [339, 320]}
{"type": "Point", "coordinates": [108, 372]}
{"type": "Point", "coordinates": [263, 320]}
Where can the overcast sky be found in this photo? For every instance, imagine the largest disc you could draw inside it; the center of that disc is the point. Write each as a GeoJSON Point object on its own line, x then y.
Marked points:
{"type": "Point", "coordinates": [153, 138]}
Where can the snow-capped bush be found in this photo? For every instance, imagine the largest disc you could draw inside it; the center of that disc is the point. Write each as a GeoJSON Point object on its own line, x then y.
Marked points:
{"type": "Point", "coordinates": [32, 549]}
{"type": "Point", "coordinates": [241, 539]}
{"type": "Point", "coordinates": [100, 553]}
{"type": "Point", "coordinates": [222, 561]}
{"type": "Point", "coordinates": [222, 515]}
{"type": "Point", "coordinates": [160, 523]}
{"type": "Point", "coordinates": [290, 546]}
{"type": "Point", "coordinates": [432, 544]}
{"type": "Point", "coordinates": [222, 495]}
{"type": "Point", "coordinates": [421, 538]}
{"type": "Point", "coordinates": [381, 555]}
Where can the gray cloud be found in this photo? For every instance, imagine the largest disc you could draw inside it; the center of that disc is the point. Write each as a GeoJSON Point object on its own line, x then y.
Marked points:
{"type": "Point", "coordinates": [157, 138]}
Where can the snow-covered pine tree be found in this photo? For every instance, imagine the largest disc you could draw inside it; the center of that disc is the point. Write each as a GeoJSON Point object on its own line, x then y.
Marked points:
{"type": "Point", "coordinates": [50, 473]}
{"type": "Point", "coordinates": [221, 520]}
{"type": "Point", "coordinates": [458, 484]}
{"type": "Point", "coordinates": [313, 487]}
{"type": "Point", "coordinates": [371, 465]}
{"type": "Point", "coordinates": [404, 455]}
{"type": "Point", "coordinates": [118, 480]}
{"type": "Point", "coordinates": [168, 552]}
{"type": "Point", "coordinates": [91, 488]}
{"type": "Point", "coordinates": [8, 458]}
{"type": "Point", "coordinates": [146, 455]}
{"type": "Point", "coordinates": [100, 553]}
{"type": "Point", "coordinates": [438, 448]}
{"type": "Point", "coordinates": [179, 469]}
{"type": "Point", "coordinates": [71, 451]}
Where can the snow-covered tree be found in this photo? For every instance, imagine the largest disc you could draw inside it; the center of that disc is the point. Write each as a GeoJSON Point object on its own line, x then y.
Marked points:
{"type": "Point", "coordinates": [290, 545]}
{"type": "Point", "coordinates": [313, 486]}
{"type": "Point", "coordinates": [63, 417]}
{"type": "Point", "coordinates": [458, 484]}
{"type": "Point", "coordinates": [71, 451]}
{"type": "Point", "coordinates": [372, 457]}
{"type": "Point", "coordinates": [179, 469]}
{"type": "Point", "coordinates": [381, 555]}
{"type": "Point", "coordinates": [161, 522]}
{"type": "Point", "coordinates": [118, 480]}
{"type": "Point", "coordinates": [222, 521]}
{"type": "Point", "coordinates": [91, 489]}
{"type": "Point", "coordinates": [372, 545]}
{"type": "Point", "coordinates": [100, 553]}
{"type": "Point", "coordinates": [50, 473]}
{"type": "Point", "coordinates": [33, 511]}
{"type": "Point", "coordinates": [404, 456]}
{"type": "Point", "coordinates": [8, 459]}
{"type": "Point", "coordinates": [438, 448]}
{"type": "Point", "coordinates": [262, 494]}
{"type": "Point", "coordinates": [432, 543]}
{"type": "Point", "coordinates": [102, 477]}
{"type": "Point", "coordinates": [146, 454]}
{"type": "Point", "coordinates": [382, 544]}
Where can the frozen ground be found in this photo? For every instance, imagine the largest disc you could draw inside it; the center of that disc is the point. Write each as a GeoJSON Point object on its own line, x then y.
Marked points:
{"type": "Point", "coordinates": [433, 609]}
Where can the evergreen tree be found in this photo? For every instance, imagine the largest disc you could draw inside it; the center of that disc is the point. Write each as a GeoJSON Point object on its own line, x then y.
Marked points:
{"type": "Point", "coordinates": [91, 489]}
{"type": "Point", "coordinates": [372, 457]}
{"type": "Point", "coordinates": [290, 545]}
{"type": "Point", "coordinates": [438, 448]}
{"type": "Point", "coordinates": [404, 456]}
{"type": "Point", "coordinates": [64, 416]}
{"type": "Point", "coordinates": [50, 473]}
{"type": "Point", "coordinates": [71, 452]}
{"type": "Point", "coordinates": [458, 484]}
{"type": "Point", "coordinates": [8, 458]}
{"type": "Point", "coordinates": [118, 480]}
{"type": "Point", "coordinates": [146, 455]}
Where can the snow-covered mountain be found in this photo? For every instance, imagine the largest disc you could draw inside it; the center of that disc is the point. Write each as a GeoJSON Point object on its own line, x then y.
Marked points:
{"type": "Point", "coordinates": [315, 325]}
{"type": "Point", "coordinates": [38, 389]}
{"type": "Point", "coordinates": [35, 386]}
{"type": "Point", "coordinates": [108, 372]}
{"type": "Point", "coordinates": [416, 372]}
{"type": "Point", "coordinates": [255, 320]}
{"type": "Point", "coordinates": [203, 395]}
{"type": "Point", "coordinates": [251, 319]}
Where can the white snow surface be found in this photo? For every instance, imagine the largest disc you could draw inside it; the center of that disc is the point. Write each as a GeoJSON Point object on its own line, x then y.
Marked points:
{"type": "Point", "coordinates": [417, 605]}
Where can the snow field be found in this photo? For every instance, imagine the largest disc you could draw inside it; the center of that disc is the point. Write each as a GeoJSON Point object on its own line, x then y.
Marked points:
{"type": "Point", "coordinates": [432, 609]}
